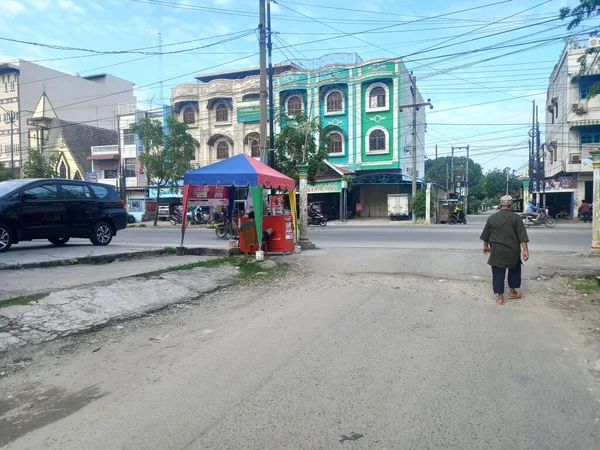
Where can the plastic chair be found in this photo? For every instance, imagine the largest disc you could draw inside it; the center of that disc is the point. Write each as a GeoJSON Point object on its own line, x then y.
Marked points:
{"type": "Point", "coordinates": [251, 239]}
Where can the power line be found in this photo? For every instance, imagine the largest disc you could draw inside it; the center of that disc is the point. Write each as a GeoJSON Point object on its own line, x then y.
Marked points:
{"type": "Point", "coordinates": [133, 51]}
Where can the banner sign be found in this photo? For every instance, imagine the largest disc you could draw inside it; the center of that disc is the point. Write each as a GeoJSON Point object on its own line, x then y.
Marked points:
{"type": "Point", "coordinates": [276, 205]}
{"type": "Point", "coordinates": [91, 176]}
{"type": "Point", "coordinates": [569, 182]}
{"type": "Point", "coordinates": [202, 195]}
{"type": "Point", "coordinates": [325, 187]}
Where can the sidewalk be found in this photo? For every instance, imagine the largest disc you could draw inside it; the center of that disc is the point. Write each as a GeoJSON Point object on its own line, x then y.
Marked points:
{"type": "Point", "coordinates": [17, 283]}
{"type": "Point", "coordinates": [86, 307]}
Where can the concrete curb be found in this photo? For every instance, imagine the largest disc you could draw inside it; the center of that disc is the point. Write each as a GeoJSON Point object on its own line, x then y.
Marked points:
{"type": "Point", "coordinates": [104, 259]}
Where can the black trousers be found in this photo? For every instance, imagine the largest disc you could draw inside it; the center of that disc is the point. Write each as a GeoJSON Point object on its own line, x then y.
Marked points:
{"type": "Point", "coordinates": [499, 275]}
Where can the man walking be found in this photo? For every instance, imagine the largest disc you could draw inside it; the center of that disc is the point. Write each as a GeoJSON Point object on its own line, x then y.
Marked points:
{"type": "Point", "coordinates": [503, 237]}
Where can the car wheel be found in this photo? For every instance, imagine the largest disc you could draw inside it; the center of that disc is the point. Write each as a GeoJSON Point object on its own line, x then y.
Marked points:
{"type": "Point", "coordinates": [59, 241]}
{"type": "Point", "coordinates": [6, 238]}
{"type": "Point", "coordinates": [102, 234]}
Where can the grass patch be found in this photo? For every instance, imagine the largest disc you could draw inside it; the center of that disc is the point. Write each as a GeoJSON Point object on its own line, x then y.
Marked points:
{"type": "Point", "coordinates": [587, 286]}
{"type": "Point", "coordinates": [22, 300]}
{"type": "Point", "coordinates": [250, 269]}
{"type": "Point", "coordinates": [170, 251]}
{"type": "Point", "coordinates": [209, 263]}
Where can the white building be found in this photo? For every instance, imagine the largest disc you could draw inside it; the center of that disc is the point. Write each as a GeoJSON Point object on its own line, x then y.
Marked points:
{"type": "Point", "coordinates": [572, 129]}
{"type": "Point", "coordinates": [90, 100]}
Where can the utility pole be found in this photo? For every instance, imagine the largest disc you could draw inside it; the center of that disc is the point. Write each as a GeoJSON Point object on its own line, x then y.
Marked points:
{"type": "Point", "coordinates": [271, 96]}
{"type": "Point", "coordinates": [12, 118]}
{"type": "Point", "coordinates": [415, 107]}
{"type": "Point", "coordinates": [437, 187]}
{"type": "Point", "coordinates": [414, 142]}
{"type": "Point", "coordinates": [532, 151]}
{"type": "Point", "coordinates": [436, 168]}
{"type": "Point", "coordinates": [452, 168]}
{"type": "Point", "coordinates": [467, 185]}
{"type": "Point", "coordinates": [538, 167]}
{"type": "Point", "coordinates": [447, 178]}
{"type": "Point", "coordinates": [465, 178]}
{"type": "Point", "coordinates": [263, 81]}
{"type": "Point", "coordinates": [160, 68]}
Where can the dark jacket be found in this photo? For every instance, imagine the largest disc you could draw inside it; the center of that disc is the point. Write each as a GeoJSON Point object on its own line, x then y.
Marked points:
{"type": "Point", "coordinates": [504, 231]}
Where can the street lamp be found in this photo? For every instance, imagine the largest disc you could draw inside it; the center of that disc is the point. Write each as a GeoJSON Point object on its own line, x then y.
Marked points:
{"type": "Point", "coordinates": [12, 117]}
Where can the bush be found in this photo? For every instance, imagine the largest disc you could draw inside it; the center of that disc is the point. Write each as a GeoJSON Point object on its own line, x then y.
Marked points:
{"type": "Point", "coordinates": [418, 204]}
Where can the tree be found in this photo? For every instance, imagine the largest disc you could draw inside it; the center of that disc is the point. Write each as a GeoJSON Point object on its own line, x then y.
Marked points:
{"type": "Point", "coordinates": [4, 173]}
{"type": "Point", "coordinates": [166, 157]}
{"type": "Point", "coordinates": [585, 10]}
{"type": "Point", "coordinates": [436, 168]}
{"type": "Point", "coordinates": [495, 183]}
{"type": "Point", "coordinates": [296, 146]}
{"type": "Point", "coordinates": [419, 203]}
{"type": "Point", "coordinates": [40, 166]}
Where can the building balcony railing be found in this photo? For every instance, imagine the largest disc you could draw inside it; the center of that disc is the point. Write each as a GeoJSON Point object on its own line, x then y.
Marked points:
{"type": "Point", "coordinates": [6, 150]}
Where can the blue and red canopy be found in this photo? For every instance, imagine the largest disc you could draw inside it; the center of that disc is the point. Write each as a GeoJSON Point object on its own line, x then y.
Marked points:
{"type": "Point", "coordinates": [240, 171]}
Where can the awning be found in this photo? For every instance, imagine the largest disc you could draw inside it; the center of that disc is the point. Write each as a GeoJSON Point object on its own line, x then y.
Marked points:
{"type": "Point", "coordinates": [241, 171]}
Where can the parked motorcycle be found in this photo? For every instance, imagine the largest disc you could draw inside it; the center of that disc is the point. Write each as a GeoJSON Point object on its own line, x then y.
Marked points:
{"type": "Point", "coordinates": [176, 218]}
{"type": "Point", "coordinates": [457, 217]}
{"type": "Point", "coordinates": [543, 219]}
{"type": "Point", "coordinates": [585, 216]}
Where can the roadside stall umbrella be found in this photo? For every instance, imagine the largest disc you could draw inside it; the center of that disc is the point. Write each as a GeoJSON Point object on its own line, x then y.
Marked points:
{"type": "Point", "coordinates": [244, 171]}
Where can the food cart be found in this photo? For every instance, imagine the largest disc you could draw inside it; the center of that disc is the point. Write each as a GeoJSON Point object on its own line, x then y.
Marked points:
{"type": "Point", "coordinates": [242, 171]}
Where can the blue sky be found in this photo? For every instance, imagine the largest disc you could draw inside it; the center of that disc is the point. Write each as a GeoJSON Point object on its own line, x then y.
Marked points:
{"type": "Point", "coordinates": [484, 104]}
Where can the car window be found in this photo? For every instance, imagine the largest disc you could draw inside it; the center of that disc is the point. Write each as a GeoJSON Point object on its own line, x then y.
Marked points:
{"type": "Point", "coordinates": [105, 192]}
{"type": "Point", "coordinates": [43, 192]}
{"type": "Point", "coordinates": [76, 191]}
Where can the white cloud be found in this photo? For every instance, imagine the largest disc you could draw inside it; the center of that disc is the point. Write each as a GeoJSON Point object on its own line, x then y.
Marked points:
{"type": "Point", "coordinates": [13, 7]}
{"type": "Point", "coordinates": [96, 6]}
{"type": "Point", "coordinates": [40, 5]}
{"type": "Point", "coordinates": [168, 19]}
{"type": "Point", "coordinates": [69, 5]}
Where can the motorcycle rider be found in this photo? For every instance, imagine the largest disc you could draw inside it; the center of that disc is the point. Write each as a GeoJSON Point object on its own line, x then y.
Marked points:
{"type": "Point", "coordinates": [585, 211]}
{"type": "Point", "coordinates": [532, 210]}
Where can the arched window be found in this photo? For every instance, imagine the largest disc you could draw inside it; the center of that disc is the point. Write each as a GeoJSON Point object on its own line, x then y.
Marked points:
{"type": "Point", "coordinates": [377, 97]}
{"type": "Point", "coordinates": [294, 105]}
{"type": "Point", "coordinates": [189, 116]}
{"type": "Point", "coordinates": [336, 143]}
{"type": "Point", "coordinates": [77, 176]}
{"type": "Point", "coordinates": [335, 102]}
{"type": "Point", "coordinates": [222, 150]}
{"type": "Point", "coordinates": [62, 170]}
{"type": "Point", "coordinates": [222, 113]}
{"type": "Point", "coordinates": [377, 141]}
{"type": "Point", "coordinates": [255, 148]}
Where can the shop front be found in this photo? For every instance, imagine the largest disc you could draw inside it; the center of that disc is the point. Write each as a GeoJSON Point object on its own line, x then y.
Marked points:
{"type": "Point", "coordinates": [330, 190]}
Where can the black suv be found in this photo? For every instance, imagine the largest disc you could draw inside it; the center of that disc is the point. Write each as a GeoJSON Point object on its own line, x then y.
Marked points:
{"type": "Point", "coordinates": [58, 210]}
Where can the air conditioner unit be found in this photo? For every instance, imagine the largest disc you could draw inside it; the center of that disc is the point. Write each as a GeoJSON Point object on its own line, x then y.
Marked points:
{"type": "Point", "coordinates": [575, 158]}
{"type": "Point", "coordinates": [579, 108]}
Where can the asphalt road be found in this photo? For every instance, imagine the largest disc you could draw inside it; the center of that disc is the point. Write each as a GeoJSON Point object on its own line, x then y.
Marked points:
{"type": "Point", "coordinates": [565, 237]}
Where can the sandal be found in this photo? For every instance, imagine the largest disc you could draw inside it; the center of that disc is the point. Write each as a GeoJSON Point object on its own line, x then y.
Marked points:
{"type": "Point", "coordinates": [500, 301]}
{"type": "Point", "coordinates": [516, 296]}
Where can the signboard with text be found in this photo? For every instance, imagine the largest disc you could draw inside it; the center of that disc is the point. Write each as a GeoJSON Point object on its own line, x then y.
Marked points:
{"type": "Point", "coordinates": [91, 176]}
{"type": "Point", "coordinates": [201, 195]}
{"type": "Point", "coordinates": [325, 187]}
